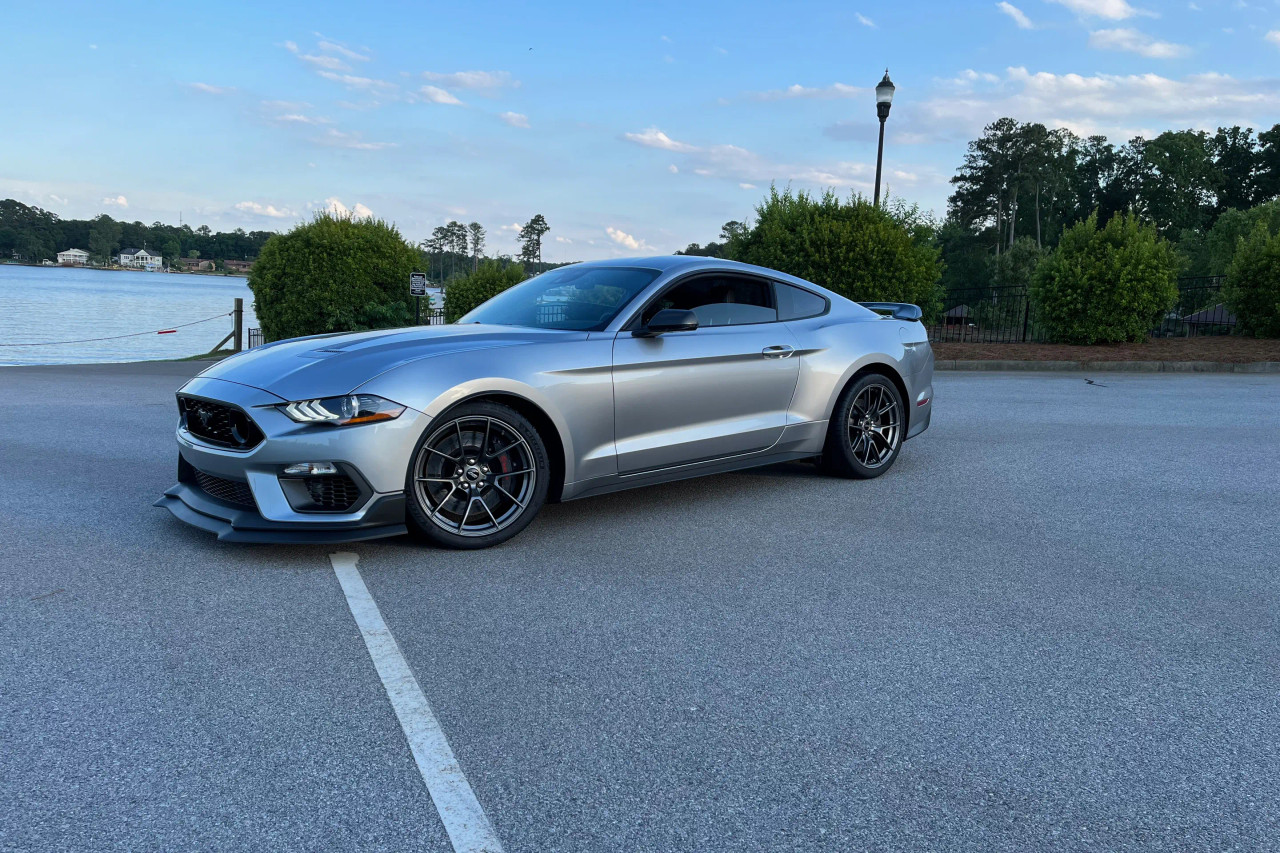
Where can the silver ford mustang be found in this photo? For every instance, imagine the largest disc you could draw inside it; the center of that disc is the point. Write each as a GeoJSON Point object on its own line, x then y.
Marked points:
{"type": "Point", "coordinates": [586, 379]}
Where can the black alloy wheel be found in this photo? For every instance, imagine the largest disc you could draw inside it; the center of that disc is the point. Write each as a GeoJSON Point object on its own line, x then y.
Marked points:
{"type": "Point", "coordinates": [478, 477]}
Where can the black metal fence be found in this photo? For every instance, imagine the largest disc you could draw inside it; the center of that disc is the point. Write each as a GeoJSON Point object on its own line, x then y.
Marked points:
{"type": "Point", "coordinates": [255, 338]}
{"type": "Point", "coordinates": [994, 314]}
{"type": "Point", "coordinates": [986, 315]}
{"type": "Point", "coordinates": [1200, 310]}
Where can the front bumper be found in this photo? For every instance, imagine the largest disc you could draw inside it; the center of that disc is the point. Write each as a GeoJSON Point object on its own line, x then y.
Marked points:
{"type": "Point", "coordinates": [241, 524]}
{"type": "Point", "coordinates": [262, 509]}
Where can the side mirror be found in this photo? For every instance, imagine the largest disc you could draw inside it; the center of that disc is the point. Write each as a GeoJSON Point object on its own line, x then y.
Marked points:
{"type": "Point", "coordinates": [669, 320]}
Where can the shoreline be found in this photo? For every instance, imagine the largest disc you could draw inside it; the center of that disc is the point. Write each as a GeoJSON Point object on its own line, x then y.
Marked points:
{"type": "Point", "coordinates": [124, 269]}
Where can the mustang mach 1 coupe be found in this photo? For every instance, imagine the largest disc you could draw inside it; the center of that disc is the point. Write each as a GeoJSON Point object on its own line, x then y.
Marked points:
{"type": "Point", "coordinates": [586, 379]}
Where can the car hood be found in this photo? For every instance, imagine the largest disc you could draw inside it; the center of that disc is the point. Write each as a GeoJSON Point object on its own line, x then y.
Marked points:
{"type": "Point", "coordinates": [330, 365]}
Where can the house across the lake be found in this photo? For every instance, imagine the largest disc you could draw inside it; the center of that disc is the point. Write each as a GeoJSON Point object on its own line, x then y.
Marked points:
{"type": "Point", "coordinates": [140, 259]}
{"type": "Point", "coordinates": [73, 257]}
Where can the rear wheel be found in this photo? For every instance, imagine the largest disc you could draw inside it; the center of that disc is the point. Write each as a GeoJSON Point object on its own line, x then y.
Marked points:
{"type": "Point", "coordinates": [866, 429]}
{"type": "Point", "coordinates": [478, 477]}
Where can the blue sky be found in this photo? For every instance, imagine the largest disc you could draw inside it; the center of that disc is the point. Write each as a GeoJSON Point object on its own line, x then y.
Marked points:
{"type": "Point", "coordinates": [634, 128]}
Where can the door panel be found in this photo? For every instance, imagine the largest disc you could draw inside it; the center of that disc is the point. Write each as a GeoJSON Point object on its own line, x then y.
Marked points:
{"type": "Point", "coordinates": [691, 396]}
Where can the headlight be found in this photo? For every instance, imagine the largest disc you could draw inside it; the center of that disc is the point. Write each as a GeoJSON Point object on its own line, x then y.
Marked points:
{"type": "Point", "coordinates": [342, 411]}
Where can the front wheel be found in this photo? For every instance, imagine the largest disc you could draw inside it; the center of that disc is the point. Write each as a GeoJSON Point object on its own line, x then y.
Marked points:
{"type": "Point", "coordinates": [478, 476]}
{"type": "Point", "coordinates": [866, 428]}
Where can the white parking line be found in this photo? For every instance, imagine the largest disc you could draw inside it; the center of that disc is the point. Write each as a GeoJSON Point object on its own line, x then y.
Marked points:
{"type": "Point", "coordinates": [468, 827]}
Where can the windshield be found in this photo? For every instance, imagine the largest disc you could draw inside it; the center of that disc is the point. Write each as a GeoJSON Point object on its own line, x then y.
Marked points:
{"type": "Point", "coordinates": [578, 298]}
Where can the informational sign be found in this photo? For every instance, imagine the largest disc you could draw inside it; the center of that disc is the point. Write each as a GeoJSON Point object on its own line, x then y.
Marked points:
{"type": "Point", "coordinates": [417, 284]}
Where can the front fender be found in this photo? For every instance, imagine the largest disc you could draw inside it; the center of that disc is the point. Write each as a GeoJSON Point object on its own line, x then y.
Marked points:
{"type": "Point", "coordinates": [571, 384]}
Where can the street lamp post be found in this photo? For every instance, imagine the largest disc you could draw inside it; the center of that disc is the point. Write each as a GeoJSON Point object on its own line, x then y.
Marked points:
{"type": "Point", "coordinates": [884, 100]}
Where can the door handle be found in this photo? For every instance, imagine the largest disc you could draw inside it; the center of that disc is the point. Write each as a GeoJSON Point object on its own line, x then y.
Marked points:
{"type": "Point", "coordinates": [780, 351]}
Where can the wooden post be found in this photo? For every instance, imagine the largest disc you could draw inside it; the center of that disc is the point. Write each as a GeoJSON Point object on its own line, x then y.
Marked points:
{"type": "Point", "coordinates": [238, 325]}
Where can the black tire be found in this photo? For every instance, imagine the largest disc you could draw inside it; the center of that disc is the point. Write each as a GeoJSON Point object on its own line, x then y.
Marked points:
{"type": "Point", "coordinates": [478, 476]}
{"type": "Point", "coordinates": [865, 433]}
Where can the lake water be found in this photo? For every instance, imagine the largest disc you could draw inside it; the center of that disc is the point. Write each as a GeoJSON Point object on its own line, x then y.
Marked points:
{"type": "Point", "coordinates": [55, 304]}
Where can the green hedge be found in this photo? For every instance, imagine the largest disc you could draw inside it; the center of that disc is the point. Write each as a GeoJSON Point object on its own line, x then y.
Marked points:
{"type": "Point", "coordinates": [852, 247]}
{"type": "Point", "coordinates": [470, 291]}
{"type": "Point", "coordinates": [1252, 289]}
{"type": "Point", "coordinates": [1102, 285]}
{"type": "Point", "coordinates": [333, 274]}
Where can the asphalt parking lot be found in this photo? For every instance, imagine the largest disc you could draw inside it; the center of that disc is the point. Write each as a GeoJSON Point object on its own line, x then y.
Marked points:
{"type": "Point", "coordinates": [1053, 626]}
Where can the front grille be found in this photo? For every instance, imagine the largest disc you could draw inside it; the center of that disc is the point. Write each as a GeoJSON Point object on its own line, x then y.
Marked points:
{"type": "Point", "coordinates": [339, 492]}
{"type": "Point", "coordinates": [231, 491]}
{"type": "Point", "coordinates": [218, 423]}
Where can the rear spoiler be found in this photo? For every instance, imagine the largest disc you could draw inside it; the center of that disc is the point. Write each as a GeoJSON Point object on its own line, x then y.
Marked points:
{"type": "Point", "coordinates": [896, 310]}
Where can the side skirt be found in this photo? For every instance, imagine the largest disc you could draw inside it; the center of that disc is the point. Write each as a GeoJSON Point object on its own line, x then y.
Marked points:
{"type": "Point", "coordinates": [799, 441]}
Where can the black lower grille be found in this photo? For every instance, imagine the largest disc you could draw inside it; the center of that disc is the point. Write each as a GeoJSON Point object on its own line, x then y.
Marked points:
{"type": "Point", "coordinates": [218, 423]}
{"type": "Point", "coordinates": [231, 491]}
{"type": "Point", "coordinates": [339, 492]}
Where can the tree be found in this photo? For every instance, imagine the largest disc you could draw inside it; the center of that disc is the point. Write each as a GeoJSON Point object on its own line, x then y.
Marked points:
{"type": "Point", "coordinates": [531, 241]}
{"type": "Point", "coordinates": [1178, 184]}
{"type": "Point", "coordinates": [1252, 290]}
{"type": "Point", "coordinates": [172, 252]}
{"type": "Point", "coordinates": [1236, 161]}
{"type": "Point", "coordinates": [1218, 246]}
{"type": "Point", "coordinates": [104, 237]}
{"type": "Point", "coordinates": [1268, 164]}
{"type": "Point", "coordinates": [470, 291]}
{"type": "Point", "coordinates": [855, 248]}
{"type": "Point", "coordinates": [1106, 284]}
{"type": "Point", "coordinates": [728, 232]}
{"type": "Point", "coordinates": [332, 274]}
{"type": "Point", "coordinates": [477, 244]}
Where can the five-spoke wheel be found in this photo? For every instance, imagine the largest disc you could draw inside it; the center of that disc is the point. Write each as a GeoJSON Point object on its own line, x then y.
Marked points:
{"type": "Point", "coordinates": [478, 477]}
{"type": "Point", "coordinates": [866, 429]}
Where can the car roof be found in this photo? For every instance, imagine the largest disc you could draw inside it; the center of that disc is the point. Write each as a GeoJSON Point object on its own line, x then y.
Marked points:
{"type": "Point", "coordinates": [668, 263]}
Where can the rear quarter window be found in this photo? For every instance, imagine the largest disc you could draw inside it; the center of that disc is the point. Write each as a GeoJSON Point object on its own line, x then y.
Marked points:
{"type": "Point", "coordinates": [796, 303]}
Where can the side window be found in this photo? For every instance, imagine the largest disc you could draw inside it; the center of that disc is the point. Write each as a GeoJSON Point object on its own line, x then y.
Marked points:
{"type": "Point", "coordinates": [720, 300]}
{"type": "Point", "coordinates": [796, 303]}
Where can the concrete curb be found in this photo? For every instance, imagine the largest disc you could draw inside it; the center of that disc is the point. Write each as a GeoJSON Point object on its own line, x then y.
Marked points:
{"type": "Point", "coordinates": [1112, 366]}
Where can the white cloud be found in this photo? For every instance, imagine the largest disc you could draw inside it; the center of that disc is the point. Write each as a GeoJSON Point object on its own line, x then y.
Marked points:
{"type": "Point", "coordinates": [209, 89]}
{"type": "Point", "coordinates": [1112, 10]}
{"type": "Point", "coordinates": [299, 118]}
{"type": "Point", "coordinates": [1274, 37]}
{"type": "Point", "coordinates": [835, 90]}
{"type": "Point", "coordinates": [116, 201]}
{"type": "Point", "coordinates": [654, 138]}
{"type": "Point", "coordinates": [742, 166]}
{"type": "Point", "coordinates": [472, 79]}
{"type": "Point", "coordinates": [1134, 41]}
{"type": "Point", "coordinates": [353, 82]}
{"type": "Point", "coordinates": [333, 47]}
{"type": "Point", "coordinates": [1019, 17]}
{"type": "Point", "coordinates": [342, 139]}
{"type": "Point", "coordinates": [667, 39]}
{"type": "Point", "coordinates": [720, 50]}
{"type": "Point", "coordinates": [514, 227]}
{"type": "Point", "coordinates": [560, 239]}
{"type": "Point", "coordinates": [622, 238]}
{"type": "Point", "coordinates": [864, 20]}
{"type": "Point", "coordinates": [267, 210]}
{"type": "Point", "coordinates": [1115, 105]}
{"type": "Point", "coordinates": [673, 169]}
{"type": "Point", "coordinates": [337, 208]}
{"type": "Point", "coordinates": [331, 63]}
{"type": "Point", "coordinates": [436, 95]}
{"type": "Point", "coordinates": [746, 186]}
{"type": "Point", "coordinates": [515, 119]}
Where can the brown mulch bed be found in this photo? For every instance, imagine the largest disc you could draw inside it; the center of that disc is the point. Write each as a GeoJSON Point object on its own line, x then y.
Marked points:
{"type": "Point", "coordinates": [1225, 349]}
